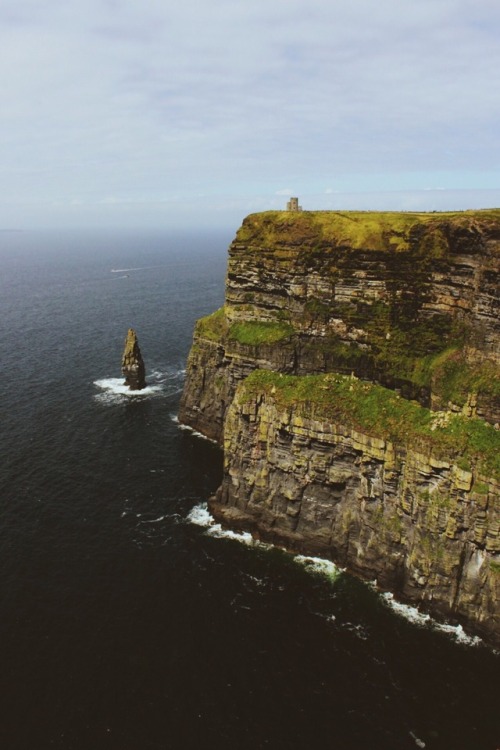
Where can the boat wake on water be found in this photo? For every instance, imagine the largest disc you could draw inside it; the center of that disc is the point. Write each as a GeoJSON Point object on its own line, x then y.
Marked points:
{"type": "Point", "coordinates": [126, 270]}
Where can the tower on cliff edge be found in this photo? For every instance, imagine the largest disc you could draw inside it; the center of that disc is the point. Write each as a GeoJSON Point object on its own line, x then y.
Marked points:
{"type": "Point", "coordinates": [293, 205]}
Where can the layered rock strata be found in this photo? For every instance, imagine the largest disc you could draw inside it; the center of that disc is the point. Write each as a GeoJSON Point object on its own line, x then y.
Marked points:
{"type": "Point", "coordinates": [410, 511]}
{"type": "Point", "coordinates": [133, 369]}
{"type": "Point", "coordinates": [409, 302]}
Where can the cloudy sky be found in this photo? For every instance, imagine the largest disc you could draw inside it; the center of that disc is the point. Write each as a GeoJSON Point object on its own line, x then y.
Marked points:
{"type": "Point", "coordinates": [197, 112]}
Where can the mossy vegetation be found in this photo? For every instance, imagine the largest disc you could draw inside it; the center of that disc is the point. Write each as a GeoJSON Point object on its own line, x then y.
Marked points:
{"type": "Point", "coordinates": [256, 333]}
{"type": "Point", "coordinates": [481, 488]}
{"type": "Point", "coordinates": [454, 378]}
{"type": "Point", "coordinates": [386, 231]}
{"type": "Point", "coordinates": [399, 344]}
{"type": "Point", "coordinates": [216, 327]}
{"type": "Point", "coordinates": [463, 463]}
{"type": "Point", "coordinates": [213, 327]}
{"type": "Point", "coordinates": [495, 567]}
{"type": "Point", "coordinates": [379, 412]}
{"type": "Point", "coordinates": [400, 352]}
{"type": "Point", "coordinates": [318, 308]}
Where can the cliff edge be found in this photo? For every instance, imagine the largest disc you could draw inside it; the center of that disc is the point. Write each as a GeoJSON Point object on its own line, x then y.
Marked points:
{"type": "Point", "coordinates": [352, 378]}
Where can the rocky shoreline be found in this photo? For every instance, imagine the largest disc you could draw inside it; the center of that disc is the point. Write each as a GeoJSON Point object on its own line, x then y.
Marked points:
{"type": "Point", "coordinates": [392, 467]}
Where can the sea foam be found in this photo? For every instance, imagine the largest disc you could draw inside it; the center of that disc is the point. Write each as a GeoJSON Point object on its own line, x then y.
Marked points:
{"type": "Point", "coordinates": [413, 615]}
{"type": "Point", "coordinates": [318, 565]}
{"type": "Point", "coordinates": [187, 428]}
{"type": "Point", "coordinates": [114, 390]}
{"type": "Point", "coordinates": [201, 516]}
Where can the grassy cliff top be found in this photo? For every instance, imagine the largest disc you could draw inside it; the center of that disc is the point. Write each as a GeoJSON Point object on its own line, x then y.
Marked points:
{"type": "Point", "coordinates": [391, 231]}
{"type": "Point", "coordinates": [381, 413]}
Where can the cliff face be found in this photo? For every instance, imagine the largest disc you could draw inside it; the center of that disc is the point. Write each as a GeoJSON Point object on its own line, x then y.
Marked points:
{"type": "Point", "coordinates": [407, 509]}
{"type": "Point", "coordinates": [409, 302]}
{"type": "Point", "coordinates": [336, 275]}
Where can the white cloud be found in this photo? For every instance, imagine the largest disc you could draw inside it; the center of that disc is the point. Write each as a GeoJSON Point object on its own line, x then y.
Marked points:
{"type": "Point", "coordinates": [145, 102]}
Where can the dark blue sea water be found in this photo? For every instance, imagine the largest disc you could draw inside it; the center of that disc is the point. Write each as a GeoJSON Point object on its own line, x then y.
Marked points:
{"type": "Point", "coordinates": [125, 625]}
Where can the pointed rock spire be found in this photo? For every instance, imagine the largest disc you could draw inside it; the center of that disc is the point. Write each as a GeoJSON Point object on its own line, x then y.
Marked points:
{"type": "Point", "coordinates": [132, 364]}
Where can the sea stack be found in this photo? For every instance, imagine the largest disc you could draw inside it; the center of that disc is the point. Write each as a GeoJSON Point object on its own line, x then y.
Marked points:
{"type": "Point", "coordinates": [132, 364]}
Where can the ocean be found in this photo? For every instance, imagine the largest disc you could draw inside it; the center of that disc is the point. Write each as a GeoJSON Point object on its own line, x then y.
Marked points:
{"type": "Point", "coordinates": [128, 619]}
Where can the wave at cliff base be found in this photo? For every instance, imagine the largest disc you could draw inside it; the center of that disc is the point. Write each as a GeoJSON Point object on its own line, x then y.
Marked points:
{"type": "Point", "coordinates": [201, 516]}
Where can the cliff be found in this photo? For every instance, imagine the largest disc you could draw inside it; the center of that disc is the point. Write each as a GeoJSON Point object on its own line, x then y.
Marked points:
{"type": "Point", "coordinates": [332, 466]}
{"type": "Point", "coordinates": [370, 436]}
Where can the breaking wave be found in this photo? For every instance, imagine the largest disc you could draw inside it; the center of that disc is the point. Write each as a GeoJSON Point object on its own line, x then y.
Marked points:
{"type": "Point", "coordinates": [187, 428]}
{"type": "Point", "coordinates": [201, 516]}
{"type": "Point", "coordinates": [160, 383]}
{"type": "Point", "coordinates": [113, 390]}
{"type": "Point", "coordinates": [413, 615]}
{"type": "Point", "coordinates": [319, 565]}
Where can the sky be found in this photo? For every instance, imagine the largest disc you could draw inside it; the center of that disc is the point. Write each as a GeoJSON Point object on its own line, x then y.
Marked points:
{"type": "Point", "coordinates": [194, 113]}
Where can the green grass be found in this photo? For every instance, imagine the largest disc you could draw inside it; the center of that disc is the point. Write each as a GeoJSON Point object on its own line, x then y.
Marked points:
{"type": "Point", "coordinates": [388, 231]}
{"type": "Point", "coordinates": [495, 567]}
{"type": "Point", "coordinates": [213, 327]}
{"type": "Point", "coordinates": [379, 412]}
{"type": "Point", "coordinates": [454, 378]}
{"type": "Point", "coordinates": [481, 488]}
{"type": "Point", "coordinates": [403, 356]}
{"type": "Point", "coordinates": [257, 333]}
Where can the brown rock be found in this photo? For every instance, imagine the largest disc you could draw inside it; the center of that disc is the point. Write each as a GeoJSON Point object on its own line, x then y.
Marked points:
{"type": "Point", "coordinates": [132, 363]}
{"type": "Point", "coordinates": [409, 520]}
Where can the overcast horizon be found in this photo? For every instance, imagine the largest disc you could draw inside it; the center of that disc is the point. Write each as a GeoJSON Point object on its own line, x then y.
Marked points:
{"type": "Point", "coordinates": [167, 115]}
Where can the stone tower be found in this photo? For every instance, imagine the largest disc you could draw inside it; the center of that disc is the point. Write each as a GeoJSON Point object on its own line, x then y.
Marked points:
{"type": "Point", "coordinates": [293, 205]}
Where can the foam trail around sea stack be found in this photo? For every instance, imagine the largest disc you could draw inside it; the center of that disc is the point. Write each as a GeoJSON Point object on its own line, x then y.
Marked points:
{"type": "Point", "coordinates": [114, 390]}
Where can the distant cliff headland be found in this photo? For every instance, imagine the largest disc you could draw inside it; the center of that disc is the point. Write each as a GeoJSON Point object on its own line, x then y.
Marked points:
{"type": "Point", "coordinates": [352, 378]}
